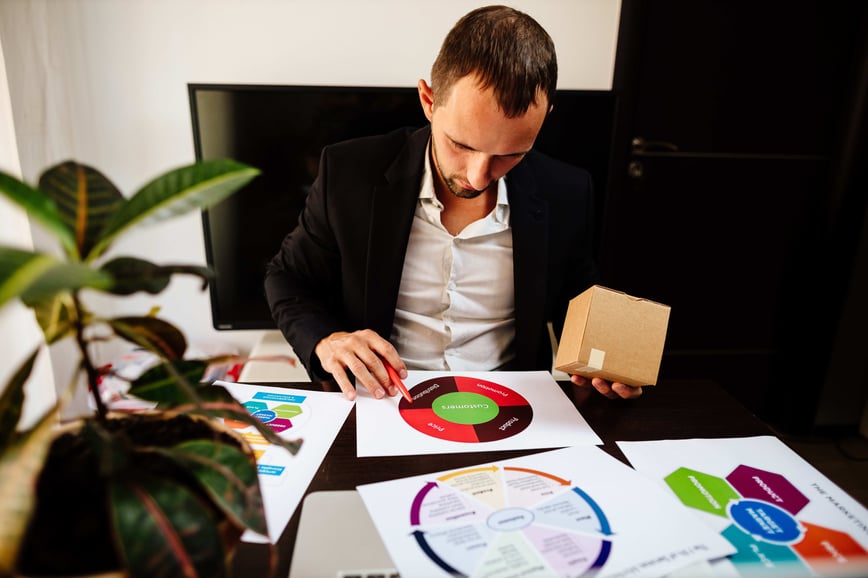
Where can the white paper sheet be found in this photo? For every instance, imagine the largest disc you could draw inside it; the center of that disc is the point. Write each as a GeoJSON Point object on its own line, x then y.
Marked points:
{"type": "Point", "coordinates": [470, 412]}
{"type": "Point", "coordinates": [315, 417]}
{"type": "Point", "coordinates": [568, 512]}
{"type": "Point", "coordinates": [784, 517]}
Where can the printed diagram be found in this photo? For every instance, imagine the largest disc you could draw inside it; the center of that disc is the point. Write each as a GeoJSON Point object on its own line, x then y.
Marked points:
{"type": "Point", "coordinates": [466, 409]}
{"type": "Point", "coordinates": [284, 413]}
{"type": "Point", "coordinates": [493, 521]}
{"type": "Point", "coordinates": [764, 508]}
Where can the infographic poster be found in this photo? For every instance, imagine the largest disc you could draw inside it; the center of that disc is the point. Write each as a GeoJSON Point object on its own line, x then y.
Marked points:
{"type": "Point", "coordinates": [570, 512]}
{"type": "Point", "coordinates": [470, 412]}
{"type": "Point", "coordinates": [783, 517]}
{"type": "Point", "coordinates": [312, 416]}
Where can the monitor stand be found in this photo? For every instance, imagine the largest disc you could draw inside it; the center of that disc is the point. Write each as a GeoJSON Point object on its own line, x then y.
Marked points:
{"type": "Point", "coordinates": [272, 360]}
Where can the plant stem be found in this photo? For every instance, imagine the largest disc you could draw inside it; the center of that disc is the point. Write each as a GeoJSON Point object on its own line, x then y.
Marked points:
{"type": "Point", "coordinates": [89, 369]}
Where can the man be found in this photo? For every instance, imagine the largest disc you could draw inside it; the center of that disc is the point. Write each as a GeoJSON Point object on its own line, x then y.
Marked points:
{"type": "Point", "coordinates": [448, 247]}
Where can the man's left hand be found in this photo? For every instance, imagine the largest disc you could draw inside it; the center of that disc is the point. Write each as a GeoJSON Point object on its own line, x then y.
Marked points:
{"type": "Point", "coordinates": [611, 389]}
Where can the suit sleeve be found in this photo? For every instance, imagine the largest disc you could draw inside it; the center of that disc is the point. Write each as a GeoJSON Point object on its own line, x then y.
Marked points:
{"type": "Point", "coordinates": [302, 284]}
{"type": "Point", "coordinates": [574, 231]}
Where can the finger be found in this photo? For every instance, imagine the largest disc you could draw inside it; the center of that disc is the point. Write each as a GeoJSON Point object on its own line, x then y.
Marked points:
{"type": "Point", "coordinates": [369, 369]}
{"type": "Point", "coordinates": [365, 378]}
{"type": "Point", "coordinates": [343, 352]}
{"type": "Point", "coordinates": [392, 384]}
{"type": "Point", "coordinates": [626, 391]}
{"type": "Point", "coordinates": [344, 383]}
{"type": "Point", "coordinates": [376, 354]}
{"type": "Point", "coordinates": [604, 387]}
{"type": "Point", "coordinates": [387, 353]}
{"type": "Point", "coordinates": [580, 381]}
{"type": "Point", "coordinates": [374, 365]}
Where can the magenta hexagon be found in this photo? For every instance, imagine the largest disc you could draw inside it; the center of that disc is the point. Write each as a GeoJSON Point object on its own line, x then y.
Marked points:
{"type": "Point", "coordinates": [767, 486]}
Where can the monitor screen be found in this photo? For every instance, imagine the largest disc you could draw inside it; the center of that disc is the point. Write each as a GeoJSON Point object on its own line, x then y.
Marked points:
{"type": "Point", "coordinates": [281, 129]}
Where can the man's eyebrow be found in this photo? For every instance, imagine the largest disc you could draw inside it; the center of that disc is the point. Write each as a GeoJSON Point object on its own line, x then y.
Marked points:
{"type": "Point", "coordinates": [470, 148]}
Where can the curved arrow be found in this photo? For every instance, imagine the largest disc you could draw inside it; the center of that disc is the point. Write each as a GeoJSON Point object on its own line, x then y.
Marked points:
{"type": "Point", "coordinates": [468, 471]}
{"type": "Point", "coordinates": [604, 554]}
{"type": "Point", "coordinates": [561, 481]}
{"type": "Point", "coordinates": [417, 502]}
{"type": "Point", "coordinates": [604, 523]}
{"type": "Point", "coordinates": [420, 539]}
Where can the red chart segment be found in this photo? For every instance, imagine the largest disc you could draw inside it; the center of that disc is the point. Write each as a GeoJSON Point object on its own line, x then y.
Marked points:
{"type": "Point", "coordinates": [503, 396]}
{"type": "Point", "coordinates": [466, 409]}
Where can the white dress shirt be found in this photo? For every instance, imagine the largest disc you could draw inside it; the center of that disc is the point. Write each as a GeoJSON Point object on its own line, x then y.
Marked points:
{"type": "Point", "coordinates": [456, 303]}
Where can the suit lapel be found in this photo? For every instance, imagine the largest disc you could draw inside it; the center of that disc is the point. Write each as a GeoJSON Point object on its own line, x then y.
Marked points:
{"type": "Point", "coordinates": [529, 220]}
{"type": "Point", "coordinates": [393, 207]}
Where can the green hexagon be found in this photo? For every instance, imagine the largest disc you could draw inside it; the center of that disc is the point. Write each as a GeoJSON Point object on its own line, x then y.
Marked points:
{"type": "Point", "coordinates": [287, 410]}
{"type": "Point", "coordinates": [701, 491]}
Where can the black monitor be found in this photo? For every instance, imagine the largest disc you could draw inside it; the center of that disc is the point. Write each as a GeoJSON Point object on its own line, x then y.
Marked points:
{"type": "Point", "coordinates": [281, 130]}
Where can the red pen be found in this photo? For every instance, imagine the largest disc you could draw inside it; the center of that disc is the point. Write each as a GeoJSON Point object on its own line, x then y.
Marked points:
{"type": "Point", "coordinates": [397, 381]}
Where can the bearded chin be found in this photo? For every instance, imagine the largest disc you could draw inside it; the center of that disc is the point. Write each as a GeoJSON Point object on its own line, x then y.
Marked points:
{"type": "Point", "coordinates": [460, 191]}
{"type": "Point", "coordinates": [452, 183]}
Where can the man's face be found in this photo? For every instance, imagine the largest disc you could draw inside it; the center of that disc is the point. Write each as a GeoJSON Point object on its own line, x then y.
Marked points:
{"type": "Point", "coordinates": [473, 142]}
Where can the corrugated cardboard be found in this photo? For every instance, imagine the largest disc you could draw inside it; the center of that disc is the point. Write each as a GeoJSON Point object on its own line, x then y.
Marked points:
{"type": "Point", "coordinates": [613, 335]}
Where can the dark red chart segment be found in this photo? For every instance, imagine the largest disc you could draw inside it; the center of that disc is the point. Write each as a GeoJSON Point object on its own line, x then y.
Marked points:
{"type": "Point", "coordinates": [465, 409]}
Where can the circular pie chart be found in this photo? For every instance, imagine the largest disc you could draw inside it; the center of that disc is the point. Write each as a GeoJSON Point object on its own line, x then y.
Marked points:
{"type": "Point", "coordinates": [510, 521]}
{"type": "Point", "coordinates": [465, 409]}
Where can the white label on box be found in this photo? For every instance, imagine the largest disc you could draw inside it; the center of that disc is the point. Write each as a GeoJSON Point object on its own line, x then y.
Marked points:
{"type": "Point", "coordinates": [595, 361]}
{"type": "Point", "coordinates": [596, 358]}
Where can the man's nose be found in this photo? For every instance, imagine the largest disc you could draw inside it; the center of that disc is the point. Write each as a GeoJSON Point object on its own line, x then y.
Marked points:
{"type": "Point", "coordinates": [479, 171]}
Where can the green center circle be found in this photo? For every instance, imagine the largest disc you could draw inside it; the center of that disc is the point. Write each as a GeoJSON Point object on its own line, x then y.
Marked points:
{"type": "Point", "coordinates": [465, 408]}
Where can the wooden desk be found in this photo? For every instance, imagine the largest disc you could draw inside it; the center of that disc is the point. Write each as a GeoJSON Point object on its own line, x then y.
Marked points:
{"type": "Point", "coordinates": [674, 409]}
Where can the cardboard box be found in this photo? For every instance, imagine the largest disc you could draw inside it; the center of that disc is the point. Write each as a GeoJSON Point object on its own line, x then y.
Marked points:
{"type": "Point", "coordinates": [613, 335]}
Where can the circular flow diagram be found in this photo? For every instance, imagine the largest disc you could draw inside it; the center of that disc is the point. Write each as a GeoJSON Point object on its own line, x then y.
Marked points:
{"type": "Point", "coordinates": [494, 521]}
{"type": "Point", "coordinates": [465, 409]}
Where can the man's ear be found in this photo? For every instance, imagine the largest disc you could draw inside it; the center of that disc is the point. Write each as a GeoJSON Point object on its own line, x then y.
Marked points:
{"type": "Point", "coordinates": [426, 98]}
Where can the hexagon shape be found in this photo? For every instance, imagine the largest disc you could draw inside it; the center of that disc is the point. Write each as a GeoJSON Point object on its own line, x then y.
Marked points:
{"type": "Point", "coordinates": [829, 548]}
{"type": "Point", "coordinates": [767, 486]}
{"type": "Point", "coordinates": [701, 491]}
{"type": "Point", "coordinates": [287, 410]}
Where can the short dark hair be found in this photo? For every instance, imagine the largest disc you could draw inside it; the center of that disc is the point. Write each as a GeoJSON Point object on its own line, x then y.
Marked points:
{"type": "Point", "coordinates": [507, 49]}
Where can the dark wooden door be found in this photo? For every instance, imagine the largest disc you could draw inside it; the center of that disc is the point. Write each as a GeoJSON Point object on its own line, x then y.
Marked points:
{"type": "Point", "coordinates": [721, 188]}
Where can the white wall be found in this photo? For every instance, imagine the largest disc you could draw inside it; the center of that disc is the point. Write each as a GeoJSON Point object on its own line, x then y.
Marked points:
{"type": "Point", "coordinates": [105, 82]}
{"type": "Point", "coordinates": [19, 332]}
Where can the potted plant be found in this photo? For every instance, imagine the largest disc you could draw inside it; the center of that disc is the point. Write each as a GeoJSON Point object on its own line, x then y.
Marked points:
{"type": "Point", "coordinates": [167, 492]}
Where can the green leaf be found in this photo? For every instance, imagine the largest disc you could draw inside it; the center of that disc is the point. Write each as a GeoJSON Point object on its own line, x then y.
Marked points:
{"type": "Point", "coordinates": [160, 385]}
{"type": "Point", "coordinates": [63, 278]}
{"type": "Point", "coordinates": [179, 191]}
{"type": "Point", "coordinates": [85, 198]}
{"type": "Point", "coordinates": [131, 275]}
{"type": "Point", "coordinates": [12, 400]}
{"type": "Point", "coordinates": [20, 466]}
{"type": "Point", "coordinates": [53, 316]}
{"type": "Point", "coordinates": [19, 270]}
{"type": "Point", "coordinates": [163, 529]}
{"type": "Point", "coordinates": [156, 335]}
{"type": "Point", "coordinates": [36, 276]}
{"type": "Point", "coordinates": [113, 452]}
{"type": "Point", "coordinates": [41, 208]}
{"type": "Point", "coordinates": [228, 475]}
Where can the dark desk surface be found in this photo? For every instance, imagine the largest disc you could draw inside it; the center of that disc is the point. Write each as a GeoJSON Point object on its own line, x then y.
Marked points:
{"type": "Point", "coordinates": [674, 409]}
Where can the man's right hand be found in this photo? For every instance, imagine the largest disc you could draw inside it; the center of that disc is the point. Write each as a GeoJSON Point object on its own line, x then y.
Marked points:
{"type": "Point", "coordinates": [362, 354]}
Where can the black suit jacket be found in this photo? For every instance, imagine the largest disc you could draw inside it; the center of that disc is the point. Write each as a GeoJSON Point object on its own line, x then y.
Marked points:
{"type": "Point", "coordinates": [340, 268]}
